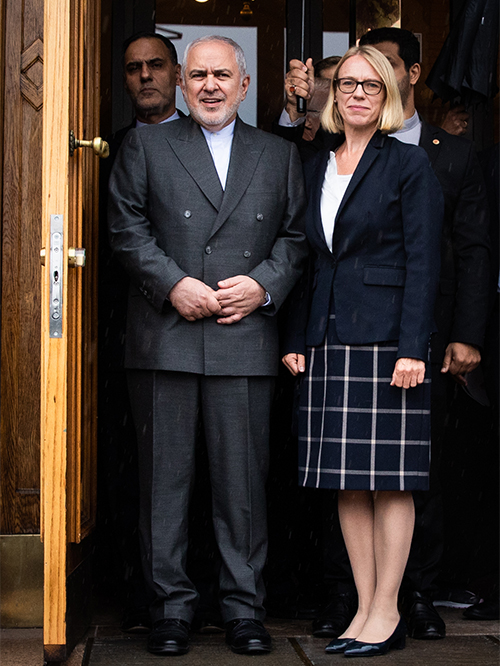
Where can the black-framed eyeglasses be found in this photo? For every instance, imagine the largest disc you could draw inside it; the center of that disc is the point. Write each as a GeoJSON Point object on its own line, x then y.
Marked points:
{"type": "Point", "coordinates": [349, 86]}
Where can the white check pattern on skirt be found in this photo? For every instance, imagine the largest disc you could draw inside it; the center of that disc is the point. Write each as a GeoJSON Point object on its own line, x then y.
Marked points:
{"type": "Point", "coordinates": [355, 430]}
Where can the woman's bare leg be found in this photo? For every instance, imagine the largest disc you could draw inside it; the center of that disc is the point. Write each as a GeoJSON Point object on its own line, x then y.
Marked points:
{"type": "Point", "coordinates": [356, 513]}
{"type": "Point", "coordinates": [394, 517]}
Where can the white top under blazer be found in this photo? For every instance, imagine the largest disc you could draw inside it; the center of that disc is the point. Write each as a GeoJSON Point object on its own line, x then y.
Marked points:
{"type": "Point", "coordinates": [332, 193]}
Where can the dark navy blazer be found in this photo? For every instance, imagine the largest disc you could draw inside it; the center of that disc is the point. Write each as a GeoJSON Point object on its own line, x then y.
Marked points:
{"type": "Point", "coordinates": [384, 268]}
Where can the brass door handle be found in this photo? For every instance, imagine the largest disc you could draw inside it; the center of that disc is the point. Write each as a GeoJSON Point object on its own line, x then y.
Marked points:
{"type": "Point", "coordinates": [98, 145]}
{"type": "Point", "coordinates": [76, 256]}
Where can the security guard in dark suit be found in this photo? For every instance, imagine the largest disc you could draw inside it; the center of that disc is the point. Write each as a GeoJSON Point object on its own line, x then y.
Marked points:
{"type": "Point", "coordinates": [150, 77]}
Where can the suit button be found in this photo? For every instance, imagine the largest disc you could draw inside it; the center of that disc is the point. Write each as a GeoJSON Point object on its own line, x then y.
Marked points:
{"type": "Point", "coordinates": [208, 249]}
{"type": "Point", "coordinates": [260, 217]}
{"type": "Point", "coordinates": [187, 213]}
{"type": "Point", "coordinates": [247, 254]}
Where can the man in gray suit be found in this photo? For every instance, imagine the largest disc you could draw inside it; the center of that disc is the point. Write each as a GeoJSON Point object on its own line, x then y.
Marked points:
{"type": "Point", "coordinates": [206, 217]}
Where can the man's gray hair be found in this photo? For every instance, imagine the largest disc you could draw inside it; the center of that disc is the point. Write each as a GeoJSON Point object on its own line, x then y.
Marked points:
{"type": "Point", "coordinates": [238, 52]}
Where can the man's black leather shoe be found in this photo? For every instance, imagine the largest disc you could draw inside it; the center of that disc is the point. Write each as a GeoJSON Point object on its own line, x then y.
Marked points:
{"type": "Point", "coordinates": [169, 637]}
{"type": "Point", "coordinates": [247, 636]}
{"type": "Point", "coordinates": [423, 620]}
{"type": "Point", "coordinates": [486, 610]}
{"type": "Point", "coordinates": [336, 616]}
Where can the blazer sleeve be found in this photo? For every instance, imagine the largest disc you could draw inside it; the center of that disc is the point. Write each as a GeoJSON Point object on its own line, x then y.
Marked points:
{"type": "Point", "coordinates": [281, 270]}
{"type": "Point", "coordinates": [470, 241]}
{"type": "Point", "coordinates": [131, 238]}
{"type": "Point", "coordinates": [422, 209]}
{"type": "Point", "coordinates": [294, 334]}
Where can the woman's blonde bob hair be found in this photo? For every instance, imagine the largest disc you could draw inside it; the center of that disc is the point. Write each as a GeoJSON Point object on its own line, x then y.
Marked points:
{"type": "Point", "coordinates": [391, 115]}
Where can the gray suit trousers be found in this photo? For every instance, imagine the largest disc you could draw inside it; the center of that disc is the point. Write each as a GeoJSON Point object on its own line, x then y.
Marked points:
{"type": "Point", "coordinates": [234, 412]}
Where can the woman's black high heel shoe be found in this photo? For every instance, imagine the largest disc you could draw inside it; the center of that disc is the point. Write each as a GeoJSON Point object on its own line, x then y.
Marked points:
{"type": "Point", "coordinates": [396, 641]}
{"type": "Point", "coordinates": [338, 645]}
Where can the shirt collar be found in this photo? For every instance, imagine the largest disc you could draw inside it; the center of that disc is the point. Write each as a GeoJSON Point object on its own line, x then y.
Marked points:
{"type": "Point", "coordinates": [411, 123]}
{"type": "Point", "coordinates": [174, 116]}
{"type": "Point", "coordinates": [225, 133]}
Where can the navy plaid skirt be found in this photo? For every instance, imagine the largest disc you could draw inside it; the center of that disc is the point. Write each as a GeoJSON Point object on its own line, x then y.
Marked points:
{"type": "Point", "coordinates": [356, 432]}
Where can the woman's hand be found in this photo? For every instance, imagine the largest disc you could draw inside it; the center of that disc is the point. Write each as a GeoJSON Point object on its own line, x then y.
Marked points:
{"type": "Point", "coordinates": [296, 363]}
{"type": "Point", "coordinates": [408, 372]}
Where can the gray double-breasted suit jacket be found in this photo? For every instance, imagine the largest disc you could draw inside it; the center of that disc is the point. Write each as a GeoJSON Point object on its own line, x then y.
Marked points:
{"type": "Point", "coordinates": [169, 218]}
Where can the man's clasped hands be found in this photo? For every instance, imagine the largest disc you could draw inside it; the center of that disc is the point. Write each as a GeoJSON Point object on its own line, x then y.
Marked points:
{"type": "Point", "coordinates": [236, 298]}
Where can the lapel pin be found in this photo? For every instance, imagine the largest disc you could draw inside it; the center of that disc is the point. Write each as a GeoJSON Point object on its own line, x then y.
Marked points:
{"type": "Point", "coordinates": [435, 142]}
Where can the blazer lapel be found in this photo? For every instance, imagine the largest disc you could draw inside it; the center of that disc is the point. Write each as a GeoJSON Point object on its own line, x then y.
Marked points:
{"type": "Point", "coordinates": [192, 150]}
{"type": "Point", "coordinates": [369, 156]}
{"type": "Point", "coordinates": [246, 150]}
{"type": "Point", "coordinates": [316, 179]}
{"type": "Point", "coordinates": [430, 142]}
{"type": "Point", "coordinates": [367, 159]}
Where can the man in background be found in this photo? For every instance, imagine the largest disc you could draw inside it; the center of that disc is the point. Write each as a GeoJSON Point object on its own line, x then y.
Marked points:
{"type": "Point", "coordinates": [150, 76]}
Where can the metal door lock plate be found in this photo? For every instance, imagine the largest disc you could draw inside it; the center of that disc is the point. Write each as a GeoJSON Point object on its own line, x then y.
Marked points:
{"type": "Point", "coordinates": [56, 275]}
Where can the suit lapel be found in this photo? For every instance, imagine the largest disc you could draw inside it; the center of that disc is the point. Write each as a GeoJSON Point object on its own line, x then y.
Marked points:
{"type": "Point", "coordinates": [317, 178]}
{"type": "Point", "coordinates": [369, 156]}
{"type": "Point", "coordinates": [366, 161]}
{"type": "Point", "coordinates": [191, 148]}
{"type": "Point", "coordinates": [430, 142]}
{"type": "Point", "coordinates": [246, 150]}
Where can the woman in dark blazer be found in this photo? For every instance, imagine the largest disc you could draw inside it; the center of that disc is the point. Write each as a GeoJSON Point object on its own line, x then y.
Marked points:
{"type": "Point", "coordinates": [359, 333]}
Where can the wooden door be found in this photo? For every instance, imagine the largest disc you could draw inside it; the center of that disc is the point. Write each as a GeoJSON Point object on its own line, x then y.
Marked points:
{"type": "Point", "coordinates": [69, 318]}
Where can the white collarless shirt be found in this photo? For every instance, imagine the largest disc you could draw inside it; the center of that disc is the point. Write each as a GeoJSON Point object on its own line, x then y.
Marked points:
{"type": "Point", "coordinates": [219, 144]}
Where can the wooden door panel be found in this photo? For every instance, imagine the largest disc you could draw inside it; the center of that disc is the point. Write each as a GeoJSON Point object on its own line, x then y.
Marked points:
{"type": "Point", "coordinates": [21, 25]}
{"type": "Point", "coordinates": [69, 362]}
